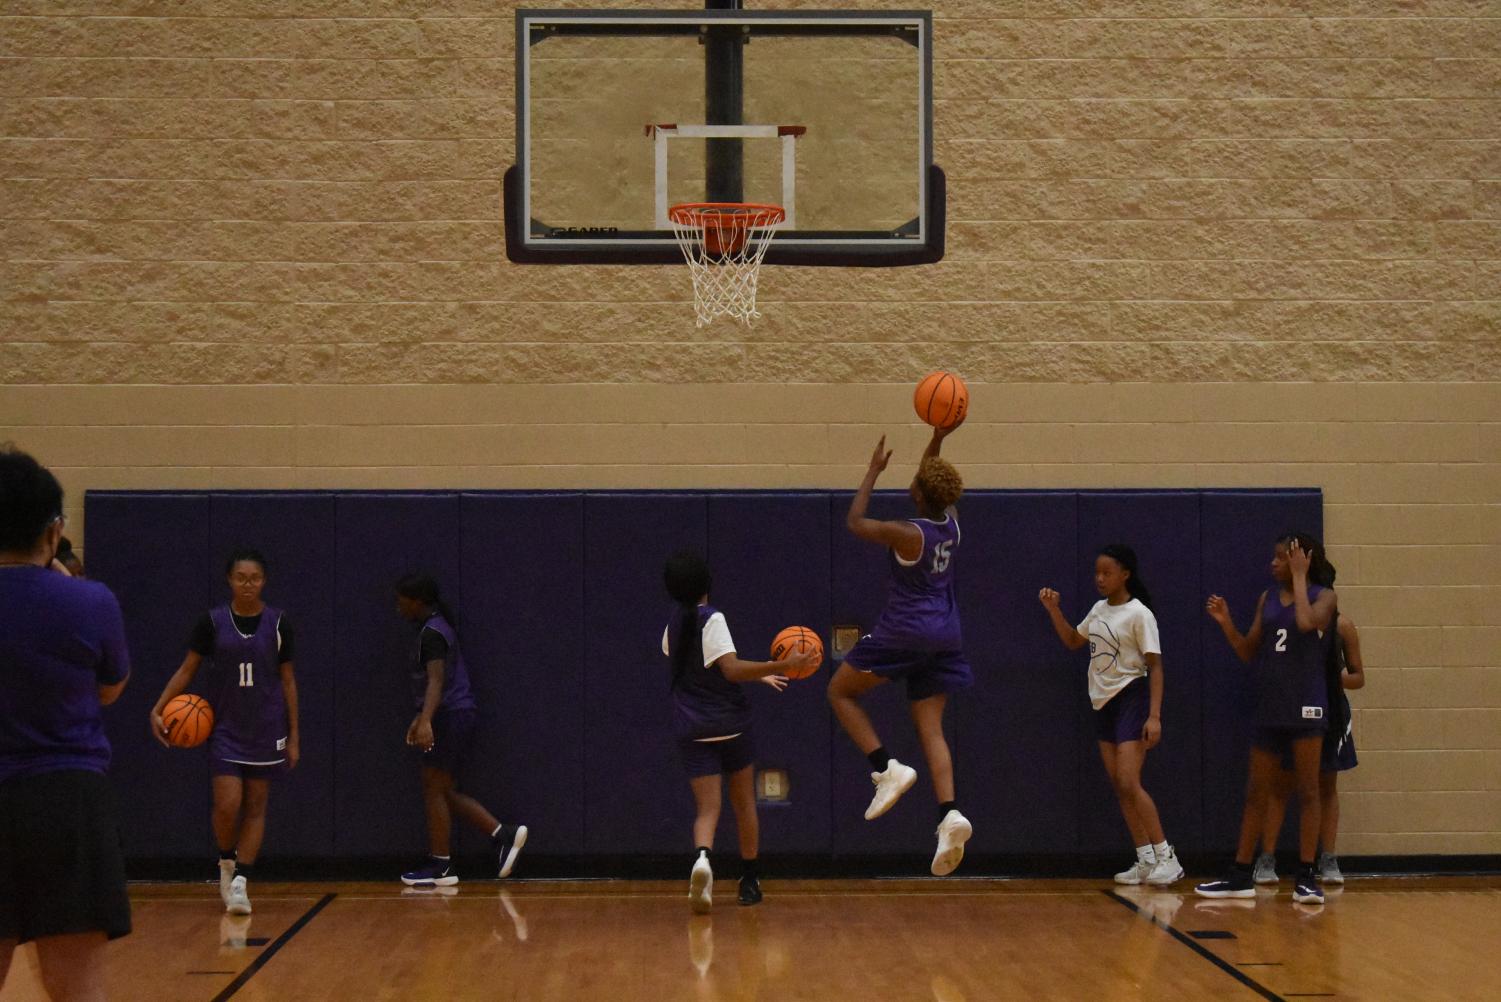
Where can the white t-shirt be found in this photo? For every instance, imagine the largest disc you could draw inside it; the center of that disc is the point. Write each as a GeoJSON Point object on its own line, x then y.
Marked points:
{"type": "Point", "coordinates": [715, 639]}
{"type": "Point", "coordinates": [1120, 637]}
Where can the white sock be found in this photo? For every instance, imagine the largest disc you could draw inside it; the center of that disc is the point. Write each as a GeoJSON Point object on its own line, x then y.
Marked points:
{"type": "Point", "coordinates": [1161, 849]}
{"type": "Point", "coordinates": [1144, 854]}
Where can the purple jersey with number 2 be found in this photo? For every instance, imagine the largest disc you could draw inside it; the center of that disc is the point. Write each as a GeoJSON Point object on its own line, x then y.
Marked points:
{"type": "Point", "coordinates": [250, 712]}
{"type": "Point", "coordinates": [921, 613]}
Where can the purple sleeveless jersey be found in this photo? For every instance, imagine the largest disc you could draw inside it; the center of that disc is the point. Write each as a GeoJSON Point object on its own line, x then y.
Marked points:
{"type": "Point", "coordinates": [456, 692]}
{"type": "Point", "coordinates": [705, 704]}
{"type": "Point", "coordinates": [1292, 688]}
{"type": "Point", "coordinates": [250, 711]}
{"type": "Point", "coordinates": [921, 613]}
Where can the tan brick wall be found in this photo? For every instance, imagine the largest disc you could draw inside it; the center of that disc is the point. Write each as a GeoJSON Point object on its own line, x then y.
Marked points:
{"type": "Point", "coordinates": [257, 243]}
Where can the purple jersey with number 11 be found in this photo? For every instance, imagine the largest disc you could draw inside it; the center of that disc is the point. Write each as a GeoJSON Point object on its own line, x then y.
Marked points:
{"type": "Point", "coordinates": [921, 613]}
{"type": "Point", "coordinates": [250, 711]}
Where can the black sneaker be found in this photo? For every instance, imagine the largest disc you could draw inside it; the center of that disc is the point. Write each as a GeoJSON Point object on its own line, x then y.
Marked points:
{"type": "Point", "coordinates": [1235, 884]}
{"type": "Point", "coordinates": [750, 891]}
{"type": "Point", "coordinates": [433, 873]}
{"type": "Point", "coordinates": [1306, 889]}
{"type": "Point", "coordinates": [507, 844]}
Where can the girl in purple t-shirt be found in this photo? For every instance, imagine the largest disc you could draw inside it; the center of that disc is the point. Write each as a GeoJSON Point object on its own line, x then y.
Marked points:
{"type": "Point", "coordinates": [916, 638]}
{"type": "Point", "coordinates": [711, 720]}
{"type": "Point", "coordinates": [253, 692]}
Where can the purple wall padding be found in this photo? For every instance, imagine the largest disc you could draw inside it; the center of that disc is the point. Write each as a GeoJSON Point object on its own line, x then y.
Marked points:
{"type": "Point", "coordinates": [522, 633]}
{"type": "Point", "coordinates": [151, 549]}
{"type": "Point", "coordinates": [1017, 767]}
{"type": "Point", "coordinates": [561, 609]}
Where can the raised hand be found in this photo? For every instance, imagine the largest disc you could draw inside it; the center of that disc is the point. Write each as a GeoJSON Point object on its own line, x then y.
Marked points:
{"type": "Point", "coordinates": [1218, 609]}
{"type": "Point", "coordinates": [1298, 559]}
{"type": "Point", "coordinates": [880, 457]}
{"type": "Point", "coordinates": [1049, 598]}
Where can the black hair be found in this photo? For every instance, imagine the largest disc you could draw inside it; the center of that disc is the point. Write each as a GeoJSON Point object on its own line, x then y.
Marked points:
{"type": "Point", "coordinates": [423, 587]}
{"type": "Point", "coordinates": [31, 499]}
{"type": "Point", "coordinates": [1320, 571]}
{"type": "Point", "coordinates": [688, 579]}
{"type": "Point", "coordinates": [1126, 557]}
{"type": "Point", "coordinates": [245, 553]}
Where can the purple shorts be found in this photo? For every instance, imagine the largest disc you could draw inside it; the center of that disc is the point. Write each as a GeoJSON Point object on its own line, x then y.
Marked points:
{"type": "Point", "coordinates": [1122, 719]}
{"type": "Point", "coordinates": [223, 767]}
{"type": "Point", "coordinates": [711, 758]}
{"type": "Point", "coordinates": [453, 734]}
{"type": "Point", "coordinates": [928, 673]}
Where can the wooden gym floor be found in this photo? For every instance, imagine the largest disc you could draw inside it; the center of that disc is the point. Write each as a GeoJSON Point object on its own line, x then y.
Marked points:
{"type": "Point", "coordinates": [846, 940]}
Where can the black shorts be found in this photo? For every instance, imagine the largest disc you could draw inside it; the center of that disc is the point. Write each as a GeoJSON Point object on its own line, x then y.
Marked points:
{"type": "Point", "coordinates": [712, 758]}
{"type": "Point", "coordinates": [453, 735]}
{"type": "Point", "coordinates": [61, 867]}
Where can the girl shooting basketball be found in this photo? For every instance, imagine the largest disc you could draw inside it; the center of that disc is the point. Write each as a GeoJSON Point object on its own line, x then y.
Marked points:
{"type": "Point", "coordinates": [253, 691]}
{"type": "Point", "coordinates": [1287, 649]}
{"type": "Point", "coordinates": [711, 720]}
{"type": "Point", "coordinates": [1125, 687]}
{"type": "Point", "coordinates": [443, 731]}
{"type": "Point", "coordinates": [916, 638]}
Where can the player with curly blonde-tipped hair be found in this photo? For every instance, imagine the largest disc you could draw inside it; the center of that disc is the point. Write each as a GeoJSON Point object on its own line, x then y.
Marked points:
{"type": "Point", "coordinates": [917, 638]}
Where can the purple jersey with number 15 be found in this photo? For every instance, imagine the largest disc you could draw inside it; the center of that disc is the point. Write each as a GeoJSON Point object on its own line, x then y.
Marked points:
{"type": "Point", "coordinates": [921, 613]}
{"type": "Point", "coordinates": [250, 711]}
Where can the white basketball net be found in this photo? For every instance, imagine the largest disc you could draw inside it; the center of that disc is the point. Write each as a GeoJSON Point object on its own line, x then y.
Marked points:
{"type": "Point", "coordinates": [724, 244]}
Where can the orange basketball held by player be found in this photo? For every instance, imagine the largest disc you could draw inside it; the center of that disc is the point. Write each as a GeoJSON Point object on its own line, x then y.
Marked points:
{"type": "Point", "coordinates": [188, 719]}
{"type": "Point", "coordinates": [941, 399]}
{"type": "Point", "coordinates": [797, 640]}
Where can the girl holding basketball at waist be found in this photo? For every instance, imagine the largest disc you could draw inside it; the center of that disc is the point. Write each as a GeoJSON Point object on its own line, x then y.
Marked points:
{"type": "Point", "coordinates": [443, 731]}
{"type": "Point", "coordinates": [1125, 687]}
{"type": "Point", "coordinates": [711, 719]}
{"type": "Point", "coordinates": [1287, 650]}
{"type": "Point", "coordinates": [916, 638]}
{"type": "Point", "coordinates": [252, 690]}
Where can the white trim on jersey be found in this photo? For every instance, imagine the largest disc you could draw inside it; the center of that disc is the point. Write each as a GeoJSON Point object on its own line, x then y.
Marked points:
{"type": "Point", "coordinates": [236, 761]}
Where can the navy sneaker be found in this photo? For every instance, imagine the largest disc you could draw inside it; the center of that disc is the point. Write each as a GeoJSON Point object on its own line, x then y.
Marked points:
{"type": "Point", "coordinates": [750, 891]}
{"type": "Point", "coordinates": [508, 842]}
{"type": "Point", "coordinates": [1306, 889]}
{"type": "Point", "coordinates": [433, 873]}
{"type": "Point", "coordinates": [1235, 884]}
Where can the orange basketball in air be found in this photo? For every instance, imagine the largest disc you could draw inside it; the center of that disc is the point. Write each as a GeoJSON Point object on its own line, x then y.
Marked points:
{"type": "Point", "coordinates": [188, 720]}
{"type": "Point", "coordinates": [941, 399]}
{"type": "Point", "coordinates": [797, 640]}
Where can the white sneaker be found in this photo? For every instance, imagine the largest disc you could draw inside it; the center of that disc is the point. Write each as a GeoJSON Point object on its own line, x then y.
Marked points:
{"type": "Point", "coordinates": [1134, 874]}
{"type": "Point", "coordinates": [1167, 869]}
{"type": "Point", "coordinates": [701, 886]}
{"type": "Point", "coordinates": [226, 874]}
{"type": "Point", "coordinates": [953, 831]}
{"type": "Point", "coordinates": [239, 900]}
{"type": "Point", "coordinates": [890, 785]}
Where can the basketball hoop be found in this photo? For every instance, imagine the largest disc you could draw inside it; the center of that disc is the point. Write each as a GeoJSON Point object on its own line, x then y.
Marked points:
{"type": "Point", "coordinates": [724, 244]}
